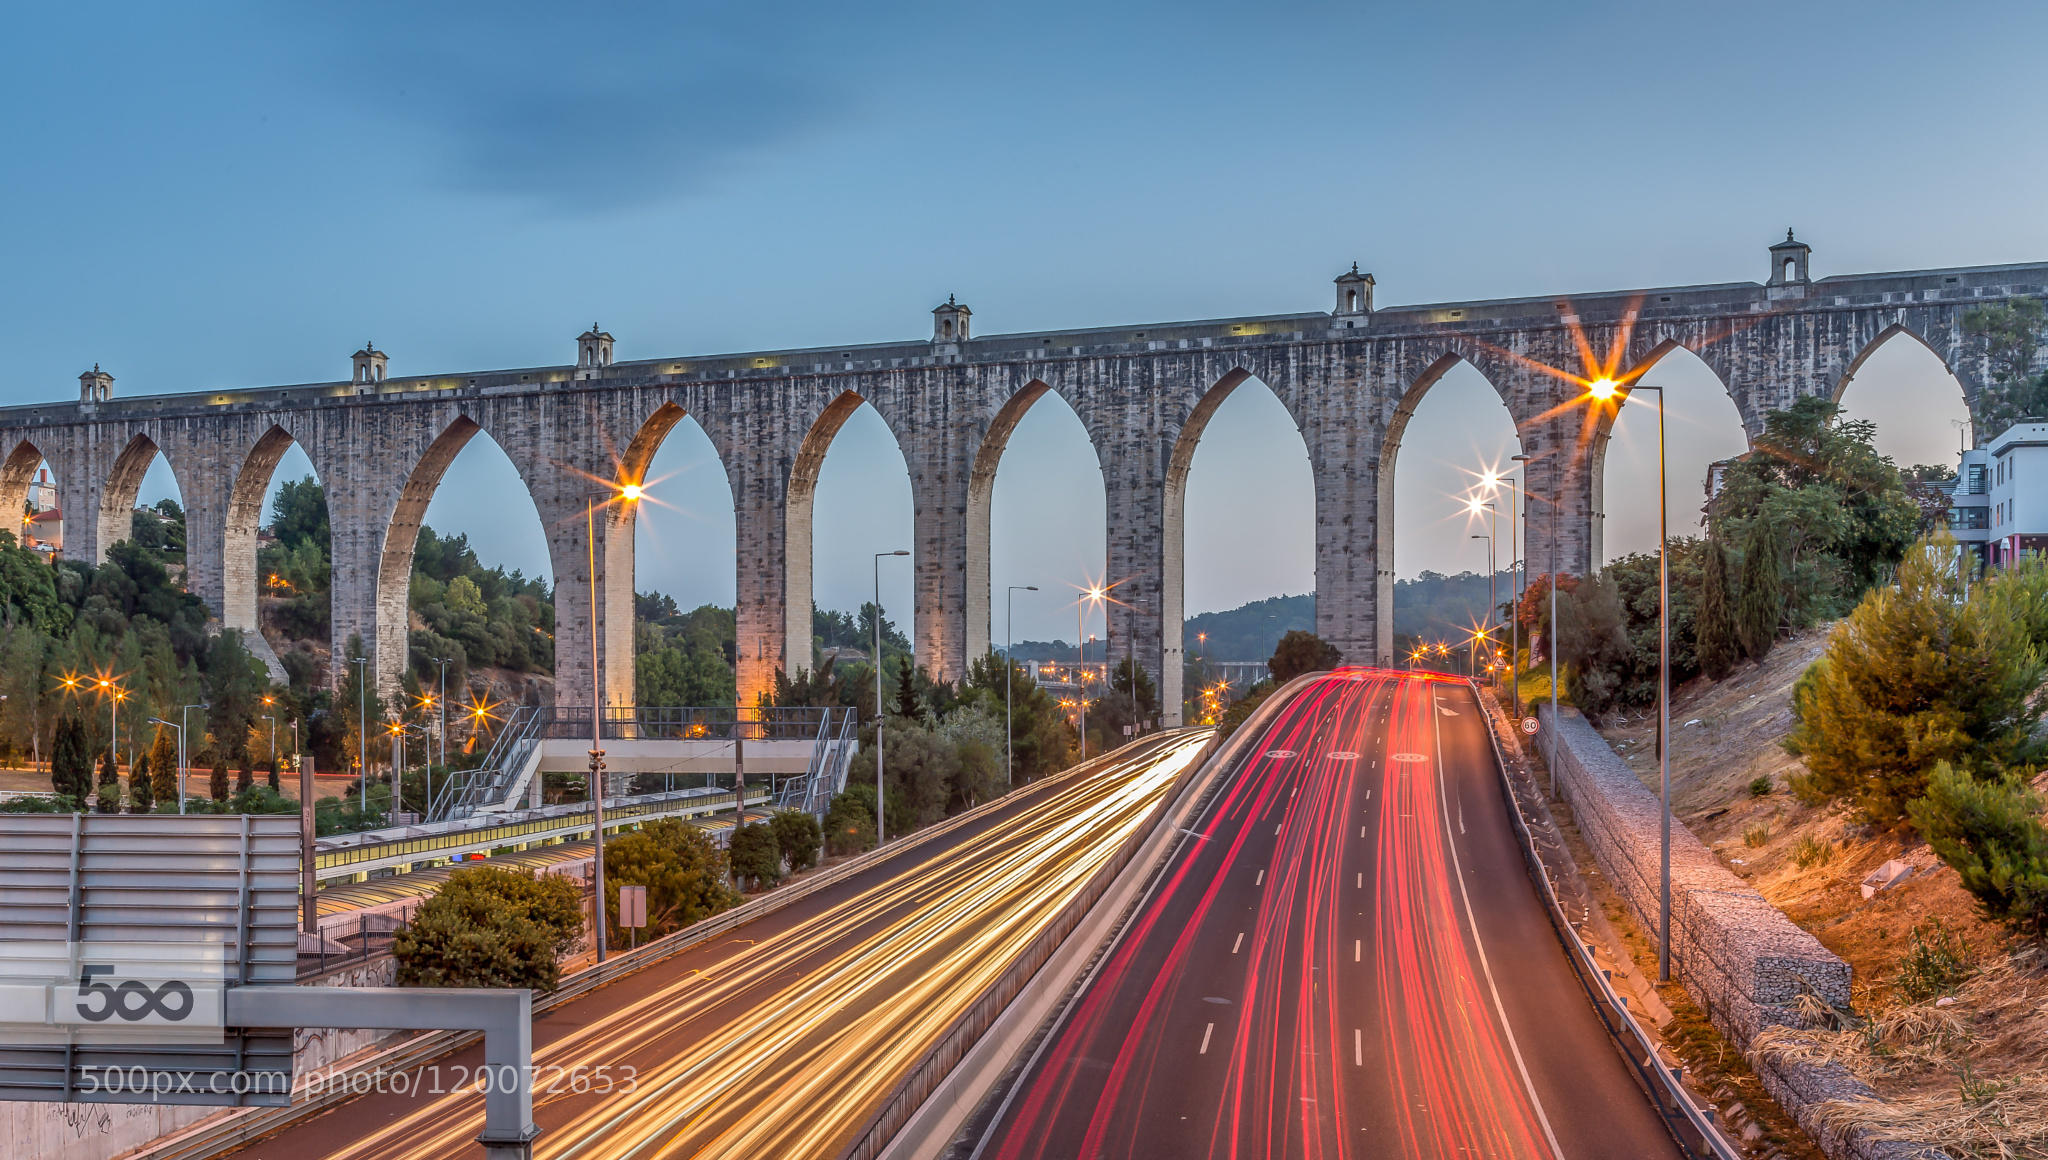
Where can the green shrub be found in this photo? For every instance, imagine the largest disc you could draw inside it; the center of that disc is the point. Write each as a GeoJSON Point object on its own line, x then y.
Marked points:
{"type": "Point", "coordinates": [1760, 787]}
{"type": "Point", "coordinates": [849, 825]}
{"type": "Point", "coordinates": [1990, 832]}
{"type": "Point", "coordinates": [1938, 960]}
{"type": "Point", "coordinates": [1755, 836]}
{"type": "Point", "coordinates": [1810, 851]}
{"type": "Point", "coordinates": [685, 873]}
{"type": "Point", "coordinates": [491, 927]}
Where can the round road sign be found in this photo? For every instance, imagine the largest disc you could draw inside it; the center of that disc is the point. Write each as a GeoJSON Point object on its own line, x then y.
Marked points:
{"type": "Point", "coordinates": [1529, 726]}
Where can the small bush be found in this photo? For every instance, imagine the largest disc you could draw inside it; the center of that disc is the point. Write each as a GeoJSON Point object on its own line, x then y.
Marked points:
{"type": "Point", "coordinates": [1760, 787]}
{"type": "Point", "coordinates": [1755, 836]}
{"type": "Point", "coordinates": [1810, 851]}
{"type": "Point", "coordinates": [1935, 964]}
{"type": "Point", "coordinates": [1990, 832]}
{"type": "Point", "coordinates": [798, 836]}
{"type": "Point", "coordinates": [756, 858]}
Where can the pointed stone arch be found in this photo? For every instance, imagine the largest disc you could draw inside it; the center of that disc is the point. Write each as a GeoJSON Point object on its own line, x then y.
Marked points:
{"type": "Point", "coordinates": [239, 579]}
{"type": "Point", "coordinates": [1432, 372]}
{"type": "Point", "coordinates": [115, 518]}
{"type": "Point", "coordinates": [17, 473]}
{"type": "Point", "coordinates": [1728, 434]}
{"type": "Point", "coordinates": [1899, 327]}
{"type": "Point", "coordinates": [400, 535]}
{"type": "Point", "coordinates": [799, 503]}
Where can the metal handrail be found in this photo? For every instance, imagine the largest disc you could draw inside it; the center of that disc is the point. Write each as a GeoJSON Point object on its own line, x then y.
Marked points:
{"type": "Point", "coordinates": [508, 753]}
{"type": "Point", "coordinates": [1612, 1007]}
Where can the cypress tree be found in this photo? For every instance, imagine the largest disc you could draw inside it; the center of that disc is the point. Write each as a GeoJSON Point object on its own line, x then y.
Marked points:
{"type": "Point", "coordinates": [1715, 640]}
{"type": "Point", "coordinates": [70, 764]}
{"type": "Point", "coordinates": [163, 768]}
{"type": "Point", "coordinates": [245, 773]}
{"type": "Point", "coordinates": [110, 785]}
{"type": "Point", "coordinates": [270, 775]}
{"type": "Point", "coordinates": [217, 784]}
{"type": "Point", "coordinates": [1760, 594]}
{"type": "Point", "coordinates": [141, 786]}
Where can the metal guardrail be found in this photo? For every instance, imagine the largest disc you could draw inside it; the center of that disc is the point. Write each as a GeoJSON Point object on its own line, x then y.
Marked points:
{"type": "Point", "coordinates": [1693, 1127]}
{"type": "Point", "coordinates": [361, 946]}
{"type": "Point", "coordinates": [689, 723]}
{"type": "Point", "coordinates": [556, 818]}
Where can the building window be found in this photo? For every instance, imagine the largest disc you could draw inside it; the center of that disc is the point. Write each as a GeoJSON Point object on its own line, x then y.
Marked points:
{"type": "Point", "coordinates": [1976, 479]}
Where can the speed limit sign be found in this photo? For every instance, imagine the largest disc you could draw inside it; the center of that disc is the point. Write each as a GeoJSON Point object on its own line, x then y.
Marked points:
{"type": "Point", "coordinates": [1529, 726]}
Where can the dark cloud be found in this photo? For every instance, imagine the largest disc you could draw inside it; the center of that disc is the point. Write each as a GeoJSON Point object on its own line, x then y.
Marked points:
{"type": "Point", "coordinates": [592, 109]}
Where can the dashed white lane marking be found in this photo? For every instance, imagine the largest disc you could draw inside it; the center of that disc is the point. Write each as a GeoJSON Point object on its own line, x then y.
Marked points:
{"type": "Point", "coordinates": [1205, 1039]}
{"type": "Point", "coordinates": [1238, 943]}
{"type": "Point", "coordinates": [1357, 949]}
{"type": "Point", "coordinates": [1368, 795]}
{"type": "Point", "coordinates": [1276, 829]}
{"type": "Point", "coordinates": [1357, 1046]}
{"type": "Point", "coordinates": [1361, 879]}
{"type": "Point", "coordinates": [1361, 829]}
{"type": "Point", "coordinates": [1260, 880]}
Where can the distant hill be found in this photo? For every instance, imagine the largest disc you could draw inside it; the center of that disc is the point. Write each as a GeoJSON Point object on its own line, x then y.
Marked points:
{"type": "Point", "coordinates": [1247, 632]}
{"type": "Point", "coordinates": [1432, 606]}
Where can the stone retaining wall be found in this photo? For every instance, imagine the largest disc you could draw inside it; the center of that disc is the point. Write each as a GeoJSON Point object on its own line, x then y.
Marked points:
{"type": "Point", "coordinates": [1739, 957]}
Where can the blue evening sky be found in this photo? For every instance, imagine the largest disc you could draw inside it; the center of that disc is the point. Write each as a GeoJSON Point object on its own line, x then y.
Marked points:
{"type": "Point", "coordinates": [209, 195]}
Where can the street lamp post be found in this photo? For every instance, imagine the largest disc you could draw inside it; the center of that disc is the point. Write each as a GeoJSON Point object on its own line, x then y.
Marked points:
{"type": "Point", "coordinates": [114, 692]}
{"type": "Point", "coordinates": [1009, 715]}
{"type": "Point", "coordinates": [362, 729]}
{"type": "Point", "coordinates": [1486, 625]}
{"type": "Point", "coordinates": [184, 752]}
{"type": "Point", "coordinates": [625, 493]}
{"type": "Point", "coordinates": [181, 753]}
{"type": "Point", "coordinates": [881, 717]}
{"type": "Point", "coordinates": [1518, 566]}
{"type": "Point", "coordinates": [1605, 389]}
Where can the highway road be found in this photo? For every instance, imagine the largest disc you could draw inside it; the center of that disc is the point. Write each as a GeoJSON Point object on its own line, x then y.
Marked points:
{"type": "Point", "coordinates": [779, 1038]}
{"type": "Point", "coordinates": [1344, 958]}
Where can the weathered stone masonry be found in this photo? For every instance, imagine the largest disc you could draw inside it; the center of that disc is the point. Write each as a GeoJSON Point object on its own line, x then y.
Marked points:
{"type": "Point", "coordinates": [1350, 378]}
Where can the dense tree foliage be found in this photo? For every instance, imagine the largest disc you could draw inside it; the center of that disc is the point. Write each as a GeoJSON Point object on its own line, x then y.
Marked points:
{"type": "Point", "coordinates": [684, 658]}
{"type": "Point", "coordinates": [685, 873]}
{"type": "Point", "coordinates": [850, 823]}
{"type": "Point", "coordinates": [1301, 652]}
{"type": "Point", "coordinates": [756, 858]}
{"type": "Point", "coordinates": [2008, 335]}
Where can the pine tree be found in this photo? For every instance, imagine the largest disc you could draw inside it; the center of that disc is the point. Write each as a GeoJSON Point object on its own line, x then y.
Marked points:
{"type": "Point", "coordinates": [141, 786]}
{"type": "Point", "coordinates": [1915, 676]}
{"type": "Point", "coordinates": [163, 767]}
{"type": "Point", "coordinates": [1715, 641]}
{"type": "Point", "coordinates": [217, 785]}
{"type": "Point", "coordinates": [1760, 592]}
{"type": "Point", "coordinates": [110, 785]}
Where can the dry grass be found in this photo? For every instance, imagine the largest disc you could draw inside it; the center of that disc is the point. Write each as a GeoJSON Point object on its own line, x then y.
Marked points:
{"type": "Point", "coordinates": [1972, 1075]}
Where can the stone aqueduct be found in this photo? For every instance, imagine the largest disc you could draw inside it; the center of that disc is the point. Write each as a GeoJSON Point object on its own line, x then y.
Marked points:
{"type": "Point", "coordinates": [1350, 378]}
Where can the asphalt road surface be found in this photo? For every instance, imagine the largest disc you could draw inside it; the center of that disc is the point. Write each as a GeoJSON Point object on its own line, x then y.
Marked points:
{"type": "Point", "coordinates": [1345, 958]}
{"type": "Point", "coordinates": [778, 1039]}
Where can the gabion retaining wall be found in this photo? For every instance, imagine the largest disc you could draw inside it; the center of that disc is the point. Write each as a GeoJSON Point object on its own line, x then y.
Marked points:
{"type": "Point", "coordinates": [1739, 957]}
